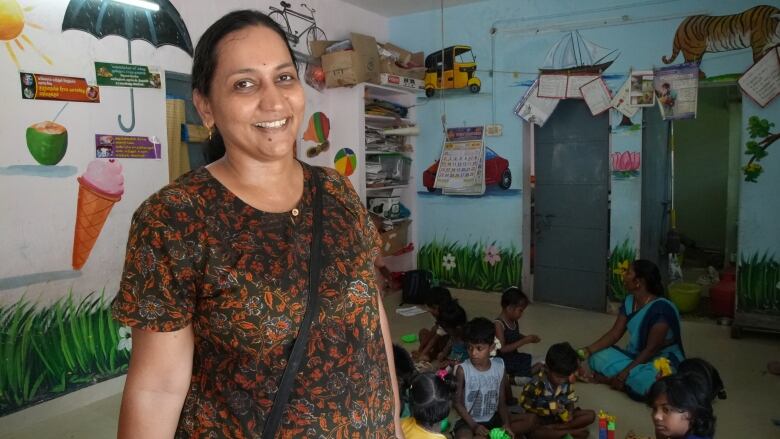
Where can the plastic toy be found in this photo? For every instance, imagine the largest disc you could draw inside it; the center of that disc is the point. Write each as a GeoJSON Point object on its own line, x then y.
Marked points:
{"type": "Point", "coordinates": [409, 338]}
{"type": "Point", "coordinates": [498, 433]}
{"type": "Point", "coordinates": [445, 425]}
{"type": "Point", "coordinates": [606, 425]}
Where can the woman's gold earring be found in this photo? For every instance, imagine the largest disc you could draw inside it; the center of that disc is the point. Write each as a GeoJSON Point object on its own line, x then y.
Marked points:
{"type": "Point", "coordinates": [211, 132]}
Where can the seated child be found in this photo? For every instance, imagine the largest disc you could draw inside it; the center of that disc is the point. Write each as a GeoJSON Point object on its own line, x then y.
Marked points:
{"type": "Point", "coordinates": [518, 364]}
{"type": "Point", "coordinates": [404, 372]}
{"type": "Point", "coordinates": [715, 387]}
{"type": "Point", "coordinates": [480, 398]}
{"type": "Point", "coordinates": [550, 395]}
{"type": "Point", "coordinates": [452, 318]}
{"type": "Point", "coordinates": [429, 397]}
{"type": "Point", "coordinates": [681, 407]}
{"type": "Point", "coordinates": [433, 340]}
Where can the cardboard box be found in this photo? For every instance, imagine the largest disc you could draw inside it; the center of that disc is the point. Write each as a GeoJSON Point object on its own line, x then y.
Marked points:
{"type": "Point", "coordinates": [388, 65]}
{"type": "Point", "coordinates": [396, 239]}
{"type": "Point", "coordinates": [401, 81]}
{"type": "Point", "coordinates": [349, 67]}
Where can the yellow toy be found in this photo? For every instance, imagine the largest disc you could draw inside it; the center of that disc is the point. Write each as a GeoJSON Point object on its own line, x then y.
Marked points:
{"type": "Point", "coordinates": [450, 68]}
{"type": "Point", "coordinates": [663, 366]}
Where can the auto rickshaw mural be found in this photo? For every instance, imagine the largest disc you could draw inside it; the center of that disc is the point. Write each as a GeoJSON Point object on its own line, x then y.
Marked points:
{"type": "Point", "coordinates": [451, 68]}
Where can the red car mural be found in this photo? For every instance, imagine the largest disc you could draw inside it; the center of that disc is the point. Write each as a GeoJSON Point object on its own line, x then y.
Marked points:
{"type": "Point", "coordinates": [496, 172]}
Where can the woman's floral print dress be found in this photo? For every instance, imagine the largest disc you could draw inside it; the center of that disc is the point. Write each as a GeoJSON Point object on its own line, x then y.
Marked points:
{"type": "Point", "coordinates": [199, 255]}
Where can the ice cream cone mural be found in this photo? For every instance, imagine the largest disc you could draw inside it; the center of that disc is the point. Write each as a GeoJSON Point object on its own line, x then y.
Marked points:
{"type": "Point", "coordinates": [317, 131]}
{"type": "Point", "coordinates": [100, 187]}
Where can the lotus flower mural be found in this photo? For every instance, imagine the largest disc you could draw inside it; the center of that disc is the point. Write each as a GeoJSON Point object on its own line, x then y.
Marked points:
{"type": "Point", "coordinates": [626, 164]}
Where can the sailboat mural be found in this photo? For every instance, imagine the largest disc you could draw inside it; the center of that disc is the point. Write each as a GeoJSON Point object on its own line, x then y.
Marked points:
{"type": "Point", "coordinates": [574, 54]}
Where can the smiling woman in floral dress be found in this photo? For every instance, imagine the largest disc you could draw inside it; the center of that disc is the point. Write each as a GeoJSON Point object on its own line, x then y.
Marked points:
{"type": "Point", "coordinates": [216, 275]}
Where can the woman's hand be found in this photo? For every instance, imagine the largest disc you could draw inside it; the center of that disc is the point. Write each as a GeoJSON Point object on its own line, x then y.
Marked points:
{"type": "Point", "coordinates": [584, 373]}
{"type": "Point", "coordinates": [618, 382]}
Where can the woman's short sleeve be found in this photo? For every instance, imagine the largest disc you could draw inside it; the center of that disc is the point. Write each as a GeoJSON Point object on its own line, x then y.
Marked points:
{"type": "Point", "coordinates": [158, 287]}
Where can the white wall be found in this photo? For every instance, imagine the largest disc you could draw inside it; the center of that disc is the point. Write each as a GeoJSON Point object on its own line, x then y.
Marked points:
{"type": "Point", "coordinates": [38, 213]}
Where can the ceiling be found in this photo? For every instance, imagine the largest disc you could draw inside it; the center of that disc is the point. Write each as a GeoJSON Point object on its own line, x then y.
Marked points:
{"type": "Point", "coordinates": [394, 8]}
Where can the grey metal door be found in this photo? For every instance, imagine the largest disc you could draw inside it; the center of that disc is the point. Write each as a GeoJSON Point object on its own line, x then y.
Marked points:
{"type": "Point", "coordinates": [571, 211]}
{"type": "Point", "coordinates": [655, 188]}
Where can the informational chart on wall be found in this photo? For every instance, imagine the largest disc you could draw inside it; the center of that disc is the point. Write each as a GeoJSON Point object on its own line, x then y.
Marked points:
{"type": "Point", "coordinates": [535, 109]}
{"type": "Point", "coordinates": [57, 88]}
{"type": "Point", "coordinates": [127, 75]}
{"type": "Point", "coordinates": [762, 81]}
{"type": "Point", "coordinates": [127, 147]}
{"type": "Point", "coordinates": [676, 90]}
{"type": "Point", "coordinates": [462, 162]}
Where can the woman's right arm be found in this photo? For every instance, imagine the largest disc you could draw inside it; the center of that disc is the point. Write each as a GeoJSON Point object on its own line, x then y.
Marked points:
{"type": "Point", "coordinates": [157, 383]}
{"type": "Point", "coordinates": [611, 337]}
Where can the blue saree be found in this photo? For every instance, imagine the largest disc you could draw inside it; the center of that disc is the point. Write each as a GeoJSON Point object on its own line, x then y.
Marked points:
{"type": "Point", "coordinates": [611, 361]}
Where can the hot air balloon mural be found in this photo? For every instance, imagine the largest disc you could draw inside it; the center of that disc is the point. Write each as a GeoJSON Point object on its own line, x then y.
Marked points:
{"type": "Point", "coordinates": [317, 131]}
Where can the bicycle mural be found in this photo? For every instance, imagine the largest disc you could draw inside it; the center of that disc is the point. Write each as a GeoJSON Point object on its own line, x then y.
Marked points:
{"type": "Point", "coordinates": [310, 33]}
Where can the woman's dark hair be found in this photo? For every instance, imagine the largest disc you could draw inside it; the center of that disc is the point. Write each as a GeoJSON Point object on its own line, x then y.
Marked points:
{"type": "Point", "coordinates": [451, 315]}
{"type": "Point", "coordinates": [204, 62]}
{"type": "Point", "coordinates": [429, 399]}
{"type": "Point", "coordinates": [687, 392]}
{"type": "Point", "coordinates": [649, 272]}
{"type": "Point", "coordinates": [562, 359]}
{"type": "Point", "coordinates": [513, 296]}
{"type": "Point", "coordinates": [711, 376]}
{"type": "Point", "coordinates": [437, 296]}
{"type": "Point", "coordinates": [479, 330]}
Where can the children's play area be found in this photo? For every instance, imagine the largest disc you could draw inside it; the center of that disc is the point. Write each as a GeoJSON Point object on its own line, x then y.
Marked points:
{"type": "Point", "coordinates": [376, 219]}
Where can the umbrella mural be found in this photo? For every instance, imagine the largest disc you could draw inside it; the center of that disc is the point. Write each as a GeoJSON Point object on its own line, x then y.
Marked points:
{"type": "Point", "coordinates": [158, 23]}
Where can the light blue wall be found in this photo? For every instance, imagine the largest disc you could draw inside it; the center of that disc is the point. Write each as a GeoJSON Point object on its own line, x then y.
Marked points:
{"type": "Point", "coordinates": [645, 36]}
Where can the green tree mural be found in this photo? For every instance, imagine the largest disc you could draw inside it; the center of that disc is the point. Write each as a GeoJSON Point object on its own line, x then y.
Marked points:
{"type": "Point", "coordinates": [760, 139]}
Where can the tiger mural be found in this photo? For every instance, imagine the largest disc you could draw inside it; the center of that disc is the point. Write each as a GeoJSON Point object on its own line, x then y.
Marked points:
{"type": "Point", "coordinates": [757, 27]}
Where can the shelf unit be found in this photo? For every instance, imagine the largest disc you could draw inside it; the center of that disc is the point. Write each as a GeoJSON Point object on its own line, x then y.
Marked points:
{"type": "Point", "coordinates": [346, 111]}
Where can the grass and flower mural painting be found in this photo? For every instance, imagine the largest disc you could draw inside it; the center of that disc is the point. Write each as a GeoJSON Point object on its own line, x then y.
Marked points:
{"type": "Point", "coordinates": [46, 352]}
{"type": "Point", "coordinates": [478, 266]}
{"type": "Point", "coordinates": [619, 259]}
{"type": "Point", "coordinates": [758, 283]}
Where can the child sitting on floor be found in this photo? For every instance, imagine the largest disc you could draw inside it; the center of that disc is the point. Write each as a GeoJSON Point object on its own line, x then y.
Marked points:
{"type": "Point", "coordinates": [550, 395]}
{"type": "Point", "coordinates": [682, 407]}
{"type": "Point", "coordinates": [452, 318]}
{"type": "Point", "coordinates": [433, 340]}
{"type": "Point", "coordinates": [518, 364]}
{"type": "Point", "coordinates": [480, 398]}
{"type": "Point", "coordinates": [405, 373]}
{"type": "Point", "coordinates": [429, 398]}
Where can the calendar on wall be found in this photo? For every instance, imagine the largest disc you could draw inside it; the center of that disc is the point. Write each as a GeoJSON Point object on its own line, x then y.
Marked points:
{"type": "Point", "coordinates": [461, 168]}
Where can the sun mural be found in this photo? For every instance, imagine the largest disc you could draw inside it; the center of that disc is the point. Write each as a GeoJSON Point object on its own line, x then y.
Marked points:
{"type": "Point", "coordinates": [12, 24]}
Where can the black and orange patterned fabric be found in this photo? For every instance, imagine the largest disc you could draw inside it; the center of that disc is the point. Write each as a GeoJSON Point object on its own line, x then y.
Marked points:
{"type": "Point", "coordinates": [199, 255]}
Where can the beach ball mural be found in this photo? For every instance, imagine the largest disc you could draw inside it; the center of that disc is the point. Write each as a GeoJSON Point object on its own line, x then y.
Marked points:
{"type": "Point", "coordinates": [345, 162]}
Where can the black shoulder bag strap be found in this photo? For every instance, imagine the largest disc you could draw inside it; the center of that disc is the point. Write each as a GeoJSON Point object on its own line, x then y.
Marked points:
{"type": "Point", "coordinates": [312, 306]}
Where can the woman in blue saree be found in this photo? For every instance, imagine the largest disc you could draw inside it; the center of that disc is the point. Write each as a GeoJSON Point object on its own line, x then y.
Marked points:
{"type": "Point", "coordinates": [653, 324]}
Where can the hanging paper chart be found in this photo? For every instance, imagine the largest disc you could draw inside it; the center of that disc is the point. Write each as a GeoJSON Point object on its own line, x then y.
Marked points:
{"type": "Point", "coordinates": [345, 162]}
